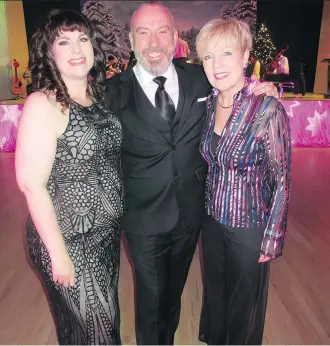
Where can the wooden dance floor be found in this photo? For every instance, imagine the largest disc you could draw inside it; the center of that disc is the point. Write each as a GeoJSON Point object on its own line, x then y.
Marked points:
{"type": "Point", "coordinates": [299, 299]}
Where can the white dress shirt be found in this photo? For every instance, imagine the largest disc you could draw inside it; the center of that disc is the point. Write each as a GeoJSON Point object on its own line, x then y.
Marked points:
{"type": "Point", "coordinates": [149, 87]}
{"type": "Point", "coordinates": [283, 66]}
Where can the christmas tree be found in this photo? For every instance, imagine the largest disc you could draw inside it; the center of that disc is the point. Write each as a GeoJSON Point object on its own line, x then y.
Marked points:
{"type": "Point", "coordinates": [264, 47]}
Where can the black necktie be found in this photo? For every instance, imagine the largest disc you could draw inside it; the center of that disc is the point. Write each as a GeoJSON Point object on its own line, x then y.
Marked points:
{"type": "Point", "coordinates": [163, 100]}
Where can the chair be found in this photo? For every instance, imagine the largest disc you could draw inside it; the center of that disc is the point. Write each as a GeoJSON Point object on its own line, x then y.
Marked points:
{"type": "Point", "coordinates": [282, 85]}
{"type": "Point", "coordinates": [289, 85]}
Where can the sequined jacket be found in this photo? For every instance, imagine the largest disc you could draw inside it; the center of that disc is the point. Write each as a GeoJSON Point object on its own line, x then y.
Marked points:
{"type": "Point", "coordinates": [248, 179]}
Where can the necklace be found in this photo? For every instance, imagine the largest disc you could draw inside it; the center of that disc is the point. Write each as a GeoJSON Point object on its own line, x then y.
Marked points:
{"type": "Point", "coordinates": [227, 107]}
{"type": "Point", "coordinates": [224, 107]}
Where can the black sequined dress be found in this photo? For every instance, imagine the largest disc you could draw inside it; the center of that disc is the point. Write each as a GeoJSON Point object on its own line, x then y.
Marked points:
{"type": "Point", "coordinates": [86, 188]}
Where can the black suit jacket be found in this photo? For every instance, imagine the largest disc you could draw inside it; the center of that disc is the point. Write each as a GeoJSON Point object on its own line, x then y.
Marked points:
{"type": "Point", "coordinates": [164, 173]}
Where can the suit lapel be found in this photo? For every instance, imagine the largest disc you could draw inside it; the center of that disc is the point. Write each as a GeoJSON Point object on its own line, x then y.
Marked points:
{"type": "Point", "coordinates": [147, 110]}
{"type": "Point", "coordinates": [126, 89]}
{"type": "Point", "coordinates": [137, 103]}
{"type": "Point", "coordinates": [180, 105]}
{"type": "Point", "coordinates": [184, 98]}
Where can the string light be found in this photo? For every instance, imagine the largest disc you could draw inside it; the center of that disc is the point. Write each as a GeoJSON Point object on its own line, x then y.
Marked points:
{"type": "Point", "coordinates": [263, 47]}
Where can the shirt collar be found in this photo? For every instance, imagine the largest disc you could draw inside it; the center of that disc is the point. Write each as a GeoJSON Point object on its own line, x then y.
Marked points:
{"type": "Point", "coordinates": [144, 75]}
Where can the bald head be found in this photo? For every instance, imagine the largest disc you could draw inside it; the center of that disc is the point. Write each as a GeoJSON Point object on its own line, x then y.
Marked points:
{"type": "Point", "coordinates": [153, 37]}
{"type": "Point", "coordinates": [146, 8]}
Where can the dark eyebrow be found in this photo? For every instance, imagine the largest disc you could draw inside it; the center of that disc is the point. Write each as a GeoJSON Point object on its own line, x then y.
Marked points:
{"type": "Point", "coordinates": [68, 38]}
{"type": "Point", "coordinates": [62, 38]}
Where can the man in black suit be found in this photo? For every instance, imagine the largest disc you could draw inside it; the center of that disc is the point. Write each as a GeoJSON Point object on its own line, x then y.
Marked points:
{"type": "Point", "coordinates": [162, 109]}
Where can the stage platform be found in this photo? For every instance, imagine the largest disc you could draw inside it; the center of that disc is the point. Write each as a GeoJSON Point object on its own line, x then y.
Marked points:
{"type": "Point", "coordinates": [309, 119]}
{"type": "Point", "coordinates": [306, 97]}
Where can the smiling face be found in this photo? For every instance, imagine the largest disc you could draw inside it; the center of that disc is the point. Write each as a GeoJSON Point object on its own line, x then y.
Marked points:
{"type": "Point", "coordinates": [153, 38]}
{"type": "Point", "coordinates": [73, 54]}
{"type": "Point", "coordinates": [224, 62]}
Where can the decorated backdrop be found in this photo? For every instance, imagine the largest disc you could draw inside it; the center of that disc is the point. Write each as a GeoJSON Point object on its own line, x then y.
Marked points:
{"type": "Point", "coordinates": [113, 18]}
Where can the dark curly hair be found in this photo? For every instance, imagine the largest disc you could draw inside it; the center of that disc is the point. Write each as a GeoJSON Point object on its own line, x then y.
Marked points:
{"type": "Point", "coordinates": [44, 72]}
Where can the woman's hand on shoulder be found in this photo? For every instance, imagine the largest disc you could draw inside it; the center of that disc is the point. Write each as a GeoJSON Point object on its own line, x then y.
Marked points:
{"type": "Point", "coordinates": [36, 142]}
{"type": "Point", "coordinates": [267, 88]}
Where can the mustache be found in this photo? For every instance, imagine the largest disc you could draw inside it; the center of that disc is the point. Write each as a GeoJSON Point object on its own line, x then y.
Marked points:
{"type": "Point", "coordinates": [154, 50]}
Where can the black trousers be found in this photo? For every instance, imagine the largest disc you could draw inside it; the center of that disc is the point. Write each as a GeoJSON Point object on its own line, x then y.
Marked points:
{"type": "Point", "coordinates": [161, 264]}
{"type": "Point", "coordinates": [235, 285]}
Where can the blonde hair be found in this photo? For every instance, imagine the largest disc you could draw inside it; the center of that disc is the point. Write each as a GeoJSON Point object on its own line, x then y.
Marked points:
{"type": "Point", "coordinates": [232, 28]}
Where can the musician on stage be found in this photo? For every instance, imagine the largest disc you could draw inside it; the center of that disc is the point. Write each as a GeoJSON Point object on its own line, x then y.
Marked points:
{"type": "Point", "coordinates": [282, 66]}
{"type": "Point", "coordinates": [278, 70]}
{"type": "Point", "coordinates": [253, 68]}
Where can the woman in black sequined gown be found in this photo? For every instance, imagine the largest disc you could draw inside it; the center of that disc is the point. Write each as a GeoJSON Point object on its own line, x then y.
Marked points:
{"type": "Point", "coordinates": [68, 167]}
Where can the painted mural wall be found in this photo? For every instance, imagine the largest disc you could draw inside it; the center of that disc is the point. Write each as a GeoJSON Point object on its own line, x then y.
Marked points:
{"type": "Point", "coordinates": [113, 19]}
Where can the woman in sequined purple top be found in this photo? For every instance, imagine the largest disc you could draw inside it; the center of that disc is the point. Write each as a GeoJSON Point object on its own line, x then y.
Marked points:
{"type": "Point", "coordinates": [246, 143]}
